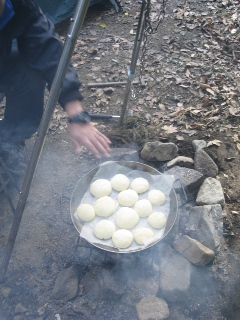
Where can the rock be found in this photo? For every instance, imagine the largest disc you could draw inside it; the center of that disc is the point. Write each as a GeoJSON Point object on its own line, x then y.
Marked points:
{"type": "Point", "coordinates": [206, 226]}
{"type": "Point", "coordinates": [210, 192]}
{"type": "Point", "coordinates": [5, 291]}
{"type": "Point", "coordinates": [66, 285]}
{"type": "Point", "coordinates": [181, 162]}
{"type": "Point", "coordinates": [139, 285]}
{"type": "Point", "coordinates": [194, 251]}
{"type": "Point", "coordinates": [152, 307]}
{"type": "Point", "coordinates": [190, 178]}
{"type": "Point", "coordinates": [84, 306]}
{"type": "Point", "coordinates": [175, 276]}
{"type": "Point", "coordinates": [159, 151]}
{"type": "Point", "coordinates": [126, 154]}
{"type": "Point", "coordinates": [107, 283]}
{"type": "Point", "coordinates": [19, 308]}
{"type": "Point", "coordinates": [199, 144]}
{"type": "Point", "coordinates": [204, 164]}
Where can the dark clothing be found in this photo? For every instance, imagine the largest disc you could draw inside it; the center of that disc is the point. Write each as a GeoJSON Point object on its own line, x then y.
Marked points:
{"type": "Point", "coordinates": [24, 73]}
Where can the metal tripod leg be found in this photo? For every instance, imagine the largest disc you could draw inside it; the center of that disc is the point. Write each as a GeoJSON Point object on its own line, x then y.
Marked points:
{"type": "Point", "coordinates": [79, 15]}
{"type": "Point", "coordinates": [135, 54]}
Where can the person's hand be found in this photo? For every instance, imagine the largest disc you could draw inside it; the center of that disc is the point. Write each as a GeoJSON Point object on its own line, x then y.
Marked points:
{"type": "Point", "coordinates": [88, 136]}
{"type": "Point", "coordinates": [85, 134]}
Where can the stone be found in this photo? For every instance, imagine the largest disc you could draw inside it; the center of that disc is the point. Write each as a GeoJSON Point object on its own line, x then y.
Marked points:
{"type": "Point", "coordinates": [190, 178]}
{"type": "Point", "coordinates": [210, 192]}
{"type": "Point", "coordinates": [66, 285]}
{"type": "Point", "coordinates": [194, 251]}
{"type": "Point", "coordinates": [204, 164]}
{"type": "Point", "coordinates": [139, 285]}
{"type": "Point", "coordinates": [127, 154]}
{"type": "Point", "coordinates": [159, 151]}
{"type": "Point", "coordinates": [5, 291]}
{"type": "Point", "coordinates": [206, 225]}
{"type": "Point", "coordinates": [152, 307]}
{"type": "Point", "coordinates": [19, 308]}
{"type": "Point", "coordinates": [175, 276]}
{"type": "Point", "coordinates": [107, 283]}
{"type": "Point", "coordinates": [181, 162]}
{"type": "Point", "coordinates": [199, 144]}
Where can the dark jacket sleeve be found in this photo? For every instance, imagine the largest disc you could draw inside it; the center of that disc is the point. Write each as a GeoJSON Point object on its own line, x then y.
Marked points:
{"type": "Point", "coordinates": [41, 48]}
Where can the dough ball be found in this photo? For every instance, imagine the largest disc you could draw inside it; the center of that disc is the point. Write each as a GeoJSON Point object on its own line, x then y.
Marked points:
{"type": "Point", "coordinates": [104, 229]}
{"type": "Point", "coordinates": [100, 188]}
{"type": "Point", "coordinates": [156, 197]}
{"type": "Point", "coordinates": [127, 198]}
{"type": "Point", "coordinates": [85, 212]}
{"type": "Point", "coordinates": [120, 182]}
{"type": "Point", "coordinates": [157, 220]}
{"type": "Point", "coordinates": [143, 207]}
{"type": "Point", "coordinates": [104, 206]}
{"type": "Point", "coordinates": [126, 218]}
{"type": "Point", "coordinates": [143, 235]}
{"type": "Point", "coordinates": [122, 238]}
{"type": "Point", "coordinates": [140, 185]}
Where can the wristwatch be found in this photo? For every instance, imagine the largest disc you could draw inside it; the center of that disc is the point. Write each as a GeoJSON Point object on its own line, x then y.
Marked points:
{"type": "Point", "coordinates": [82, 117]}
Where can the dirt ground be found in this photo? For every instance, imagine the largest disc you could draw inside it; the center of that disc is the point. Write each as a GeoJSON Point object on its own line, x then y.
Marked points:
{"type": "Point", "coordinates": [190, 90]}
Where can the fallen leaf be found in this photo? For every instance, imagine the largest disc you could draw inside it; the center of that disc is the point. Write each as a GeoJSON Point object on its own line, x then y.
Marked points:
{"type": "Point", "coordinates": [238, 146]}
{"type": "Point", "coordinates": [170, 129]}
{"type": "Point", "coordinates": [210, 91]}
{"type": "Point", "coordinates": [214, 142]}
{"type": "Point", "coordinates": [102, 25]}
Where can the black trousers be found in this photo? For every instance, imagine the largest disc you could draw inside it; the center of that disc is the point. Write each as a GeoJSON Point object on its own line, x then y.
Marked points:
{"type": "Point", "coordinates": [24, 92]}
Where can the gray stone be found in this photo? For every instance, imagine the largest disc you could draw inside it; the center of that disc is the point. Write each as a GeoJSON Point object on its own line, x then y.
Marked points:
{"type": "Point", "coordinates": [206, 226]}
{"type": "Point", "coordinates": [175, 276]}
{"type": "Point", "coordinates": [107, 283]}
{"type": "Point", "coordinates": [190, 178]}
{"type": "Point", "coordinates": [204, 164]}
{"type": "Point", "coordinates": [139, 285]}
{"type": "Point", "coordinates": [199, 144]}
{"type": "Point", "coordinates": [19, 308]}
{"type": "Point", "coordinates": [181, 162]}
{"type": "Point", "coordinates": [151, 307]}
{"type": "Point", "coordinates": [159, 151]}
{"type": "Point", "coordinates": [210, 192]}
{"type": "Point", "coordinates": [194, 251]}
{"type": "Point", "coordinates": [5, 291]}
{"type": "Point", "coordinates": [126, 154]}
{"type": "Point", "coordinates": [66, 285]}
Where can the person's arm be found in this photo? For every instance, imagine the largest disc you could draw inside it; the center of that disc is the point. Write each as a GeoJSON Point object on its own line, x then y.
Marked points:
{"type": "Point", "coordinates": [41, 48]}
{"type": "Point", "coordinates": [86, 134]}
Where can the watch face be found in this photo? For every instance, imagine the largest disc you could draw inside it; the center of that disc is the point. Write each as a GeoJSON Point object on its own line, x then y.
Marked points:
{"type": "Point", "coordinates": [82, 117]}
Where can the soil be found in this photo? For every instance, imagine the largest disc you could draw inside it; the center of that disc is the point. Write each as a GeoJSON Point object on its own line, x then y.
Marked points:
{"type": "Point", "coordinates": [190, 90]}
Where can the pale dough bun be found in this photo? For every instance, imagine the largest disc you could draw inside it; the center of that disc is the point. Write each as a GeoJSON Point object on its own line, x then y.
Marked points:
{"type": "Point", "coordinates": [143, 207]}
{"type": "Point", "coordinates": [126, 218]}
{"type": "Point", "coordinates": [104, 206]}
{"type": "Point", "coordinates": [143, 236]}
{"type": "Point", "coordinates": [157, 220]}
{"type": "Point", "coordinates": [156, 197]}
{"type": "Point", "coordinates": [127, 198]}
{"type": "Point", "coordinates": [85, 212]}
{"type": "Point", "coordinates": [104, 229]}
{"type": "Point", "coordinates": [120, 182]}
{"type": "Point", "coordinates": [122, 238]}
{"type": "Point", "coordinates": [140, 185]}
{"type": "Point", "coordinates": [100, 188]}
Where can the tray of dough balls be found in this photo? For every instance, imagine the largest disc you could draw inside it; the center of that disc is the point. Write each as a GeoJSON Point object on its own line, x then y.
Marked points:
{"type": "Point", "coordinates": [123, 206]}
